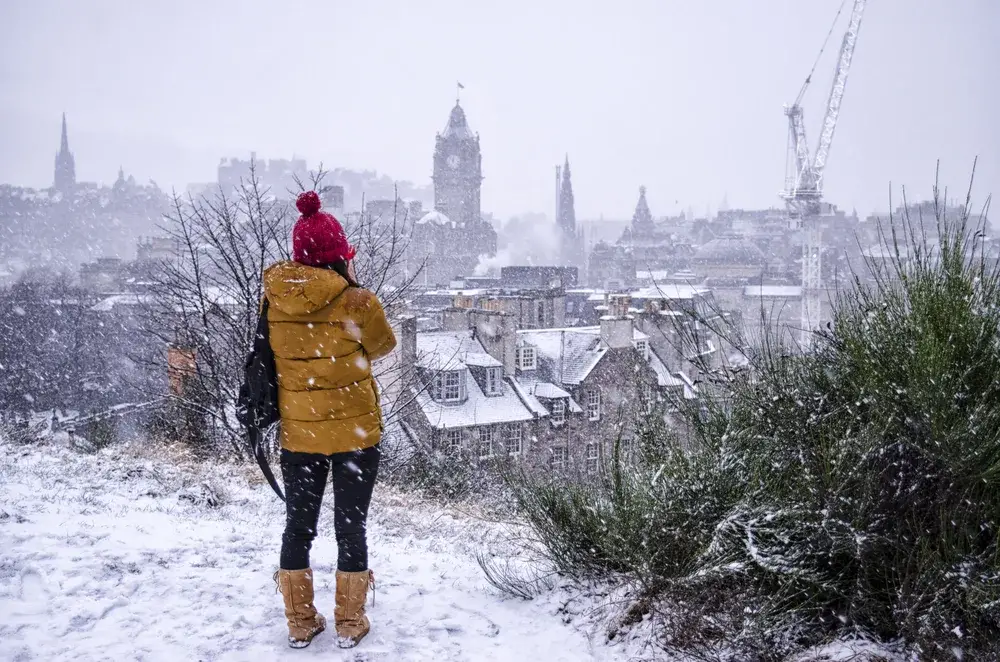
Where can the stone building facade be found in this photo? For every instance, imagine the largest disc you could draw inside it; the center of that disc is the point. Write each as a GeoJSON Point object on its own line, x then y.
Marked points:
{"type": "Point", "coordinates": [449, 241]}
{"type": "Point", "coordinates": [558, 398]}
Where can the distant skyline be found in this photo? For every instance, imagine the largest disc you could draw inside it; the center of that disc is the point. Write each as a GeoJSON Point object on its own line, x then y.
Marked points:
{"type": "Point", "coordinates": [684, 98]}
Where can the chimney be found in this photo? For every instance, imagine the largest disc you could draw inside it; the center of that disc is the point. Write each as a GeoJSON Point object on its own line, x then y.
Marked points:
{"type": "Point", "coordinates": [559, 311]}
{"type": "Point", "coordinates": [498, 334]}
{"type": "Point", "coordinates": [407, 340]}
{"type": "Point", "coordinates": [616, 326]}
{"type": "Point", "coordinates": [618, 305]}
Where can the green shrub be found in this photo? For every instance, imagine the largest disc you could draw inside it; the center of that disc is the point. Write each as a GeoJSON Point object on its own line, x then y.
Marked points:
{"type": "Point", "coordinates": [854, 490]}
{"type": "Point", "coordinates": [102, 432]}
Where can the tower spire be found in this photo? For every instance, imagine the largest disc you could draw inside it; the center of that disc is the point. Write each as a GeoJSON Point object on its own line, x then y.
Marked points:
{"type": "Point", "coordinates": [64, 144]}
{"type": "Point", "coordinates": [571, 246]}
{"type": "Point", "coordinates": [567, 209]}
{"type": "Point", "coordinates": [65, 170]}
{"type": "Point", "coordinates": [642, 219]}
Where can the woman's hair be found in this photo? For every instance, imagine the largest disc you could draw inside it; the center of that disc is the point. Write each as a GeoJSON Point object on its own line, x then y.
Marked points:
{"type": "Point", "coordinates": [340, 266]}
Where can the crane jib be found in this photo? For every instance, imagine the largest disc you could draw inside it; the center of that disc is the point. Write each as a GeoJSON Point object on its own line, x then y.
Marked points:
{"type": "Point", "coordinates": [804, 184]}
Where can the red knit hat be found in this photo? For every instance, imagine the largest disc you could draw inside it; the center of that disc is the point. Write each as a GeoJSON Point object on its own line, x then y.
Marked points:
{"type": "Point", "coordinates": [318, 238]}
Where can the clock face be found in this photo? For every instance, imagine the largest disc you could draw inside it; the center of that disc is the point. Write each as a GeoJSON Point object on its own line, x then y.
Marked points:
{"type": "Point", "coordinates": [453, 161]}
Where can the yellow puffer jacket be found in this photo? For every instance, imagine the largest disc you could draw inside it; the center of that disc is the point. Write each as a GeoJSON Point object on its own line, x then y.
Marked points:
{"type": "Point", "coordinates": [325, 335]}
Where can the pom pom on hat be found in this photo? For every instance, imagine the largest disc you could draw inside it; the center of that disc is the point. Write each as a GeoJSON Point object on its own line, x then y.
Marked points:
{"type": "Point", "coordinates": [308, 203]}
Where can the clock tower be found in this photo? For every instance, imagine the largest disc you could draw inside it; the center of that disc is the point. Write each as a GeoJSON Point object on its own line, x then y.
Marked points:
{"type": "Point", "coordinates": [458, 171]}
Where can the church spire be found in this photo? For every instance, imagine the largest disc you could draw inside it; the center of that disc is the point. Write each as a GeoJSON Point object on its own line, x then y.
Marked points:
{"type": "Point", "coordinates": [64, 144]}
{"type": "Point", "coordinates": [567, 210]}
{"type": "Point", "coordinates": [65, 170]}
{"type": "Point", "coordinates": [642, 219]}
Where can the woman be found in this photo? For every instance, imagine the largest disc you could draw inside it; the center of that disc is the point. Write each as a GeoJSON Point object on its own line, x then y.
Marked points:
{"type": "Point", "coordinates": [325, 331]}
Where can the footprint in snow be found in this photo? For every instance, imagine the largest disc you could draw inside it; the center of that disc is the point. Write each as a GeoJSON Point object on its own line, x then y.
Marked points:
{"type": "Point", "coordinates": [33, 589]}
{"type": "Point", "coordinates": [445, 624]}
{"type": "Point", "coordinates": [489, 629]}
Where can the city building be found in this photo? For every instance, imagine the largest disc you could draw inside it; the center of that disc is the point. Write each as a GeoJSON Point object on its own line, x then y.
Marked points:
{"type": "Point", "coordinates": [73, 222]}
{"type": "Point", "coordinates": [558, 398]}
{"type": "Point", "coordinates": [280, 176]}
{"type": "Point", "coordinates": [611, 267]}
{"type": "Point", "coordinates": [571, 241]}
{"type": "Point", "coordinates": [450, 240]}
{"type": "Point", "coordinates": [537, 277]}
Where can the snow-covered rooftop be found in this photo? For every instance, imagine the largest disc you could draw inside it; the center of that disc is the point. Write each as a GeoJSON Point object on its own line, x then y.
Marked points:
{"type": "Point", "coordinates": [110, 303]}
{"type": "Point", "coordinates": [768, 291]}
{"type": "Point", "coordinates": [548, 390]}
{"type": "Point", "coordinates": [473, 291]}
{"type": "Point", "coordinates": [451, 350]}
{"type": "Point", "coordinates": [663, 376]}
{"type": "Point", "coordinates": [523, 388]}
{"type": "Point", "coordinates": [434, 218]}
{"type": "Point", "coordinates": [671, 291]}
{"type": "Point", "coordinates": [570, 354]}
{"type": "Point", "coordinates": [482, 360]}
{"type": "Point", "coordinates": [478, 408]}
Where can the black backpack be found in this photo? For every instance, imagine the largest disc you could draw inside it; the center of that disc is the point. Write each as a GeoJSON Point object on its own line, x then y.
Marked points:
{"type": "Point", "coordinates": [257, 403]}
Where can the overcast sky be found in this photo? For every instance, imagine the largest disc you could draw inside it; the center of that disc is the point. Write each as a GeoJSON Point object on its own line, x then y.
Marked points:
{"type": "Point", "coordinates": [682, 96]}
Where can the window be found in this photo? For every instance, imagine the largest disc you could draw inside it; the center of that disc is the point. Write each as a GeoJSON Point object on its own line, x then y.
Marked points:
{"type": "Point", "coordinates": [541, 314]}
{"type": "Point", "coordinates": [593, 455]}
{"type": "Point", "coordinates": [643, 347]}
{"type": "Point", "coordinates": [648, 398]}
{"type": "Point", "coordinates": [560, 457]}
{"type": "Point", "coordinates": [559, 411]}
{"type": "Point", "coordinates": [449, 386]}
{"type": "Point", "coordinates": [526, 358]}
{"type": "Point", "coordinates": [513, 441]}
{"type": "Point", "coordinates": [626, 445]}
{"type": "Point", "coordinates": [569, 307]}
{"type": "Point", "coordinates": [594, 405]}
{"type": "Point", "coordinates": [493, 382]}
{"type": "Point", "coordinates": [485, 442]}
{"type": "Point", "coordinates": [453, 440]}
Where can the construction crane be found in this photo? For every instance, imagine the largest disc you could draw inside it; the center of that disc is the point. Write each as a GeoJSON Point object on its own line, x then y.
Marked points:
{"type": "Point", "coordinates": [804, 173]}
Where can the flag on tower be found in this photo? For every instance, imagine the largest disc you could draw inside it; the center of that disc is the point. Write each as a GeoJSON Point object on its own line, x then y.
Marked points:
{"type": "Point", "coordinates": [461, 87]}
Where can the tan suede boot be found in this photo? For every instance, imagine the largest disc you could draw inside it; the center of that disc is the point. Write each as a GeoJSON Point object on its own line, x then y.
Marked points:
{"type": "Point", "coordinates": [349, 614]}
{"type": "Point", "coordinates": [304, 622]}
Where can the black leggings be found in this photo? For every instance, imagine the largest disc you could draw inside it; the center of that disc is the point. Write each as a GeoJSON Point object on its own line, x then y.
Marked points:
{"type": "Point", "coordinates": [305, 477]}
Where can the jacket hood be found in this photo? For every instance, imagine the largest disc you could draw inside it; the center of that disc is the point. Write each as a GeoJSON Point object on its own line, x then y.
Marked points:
{"type": "Point", "coordinates": [298, 289]}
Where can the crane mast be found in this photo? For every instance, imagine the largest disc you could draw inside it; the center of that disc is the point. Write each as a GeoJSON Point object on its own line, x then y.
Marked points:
{"type": "Point", "coordinates": [837, 91]}
{"type": "Point", "coordinates": [804, 175]}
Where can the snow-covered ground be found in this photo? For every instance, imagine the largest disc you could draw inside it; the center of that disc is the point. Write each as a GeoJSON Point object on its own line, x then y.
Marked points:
{"type": "Point", "coordinates": [116, 556]}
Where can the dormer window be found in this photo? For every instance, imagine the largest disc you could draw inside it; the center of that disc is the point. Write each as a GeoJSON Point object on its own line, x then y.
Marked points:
{"type": "Point", "coordinates": [643, 347]}
{"type": "Point", "coordinates": [494, 382]}
{"type": "Point", "coordinates": [526, 358]}
{"type": "Point", "coordinates": [449, 386]}
{"type": "Point", "coordinates": [559, 411]}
